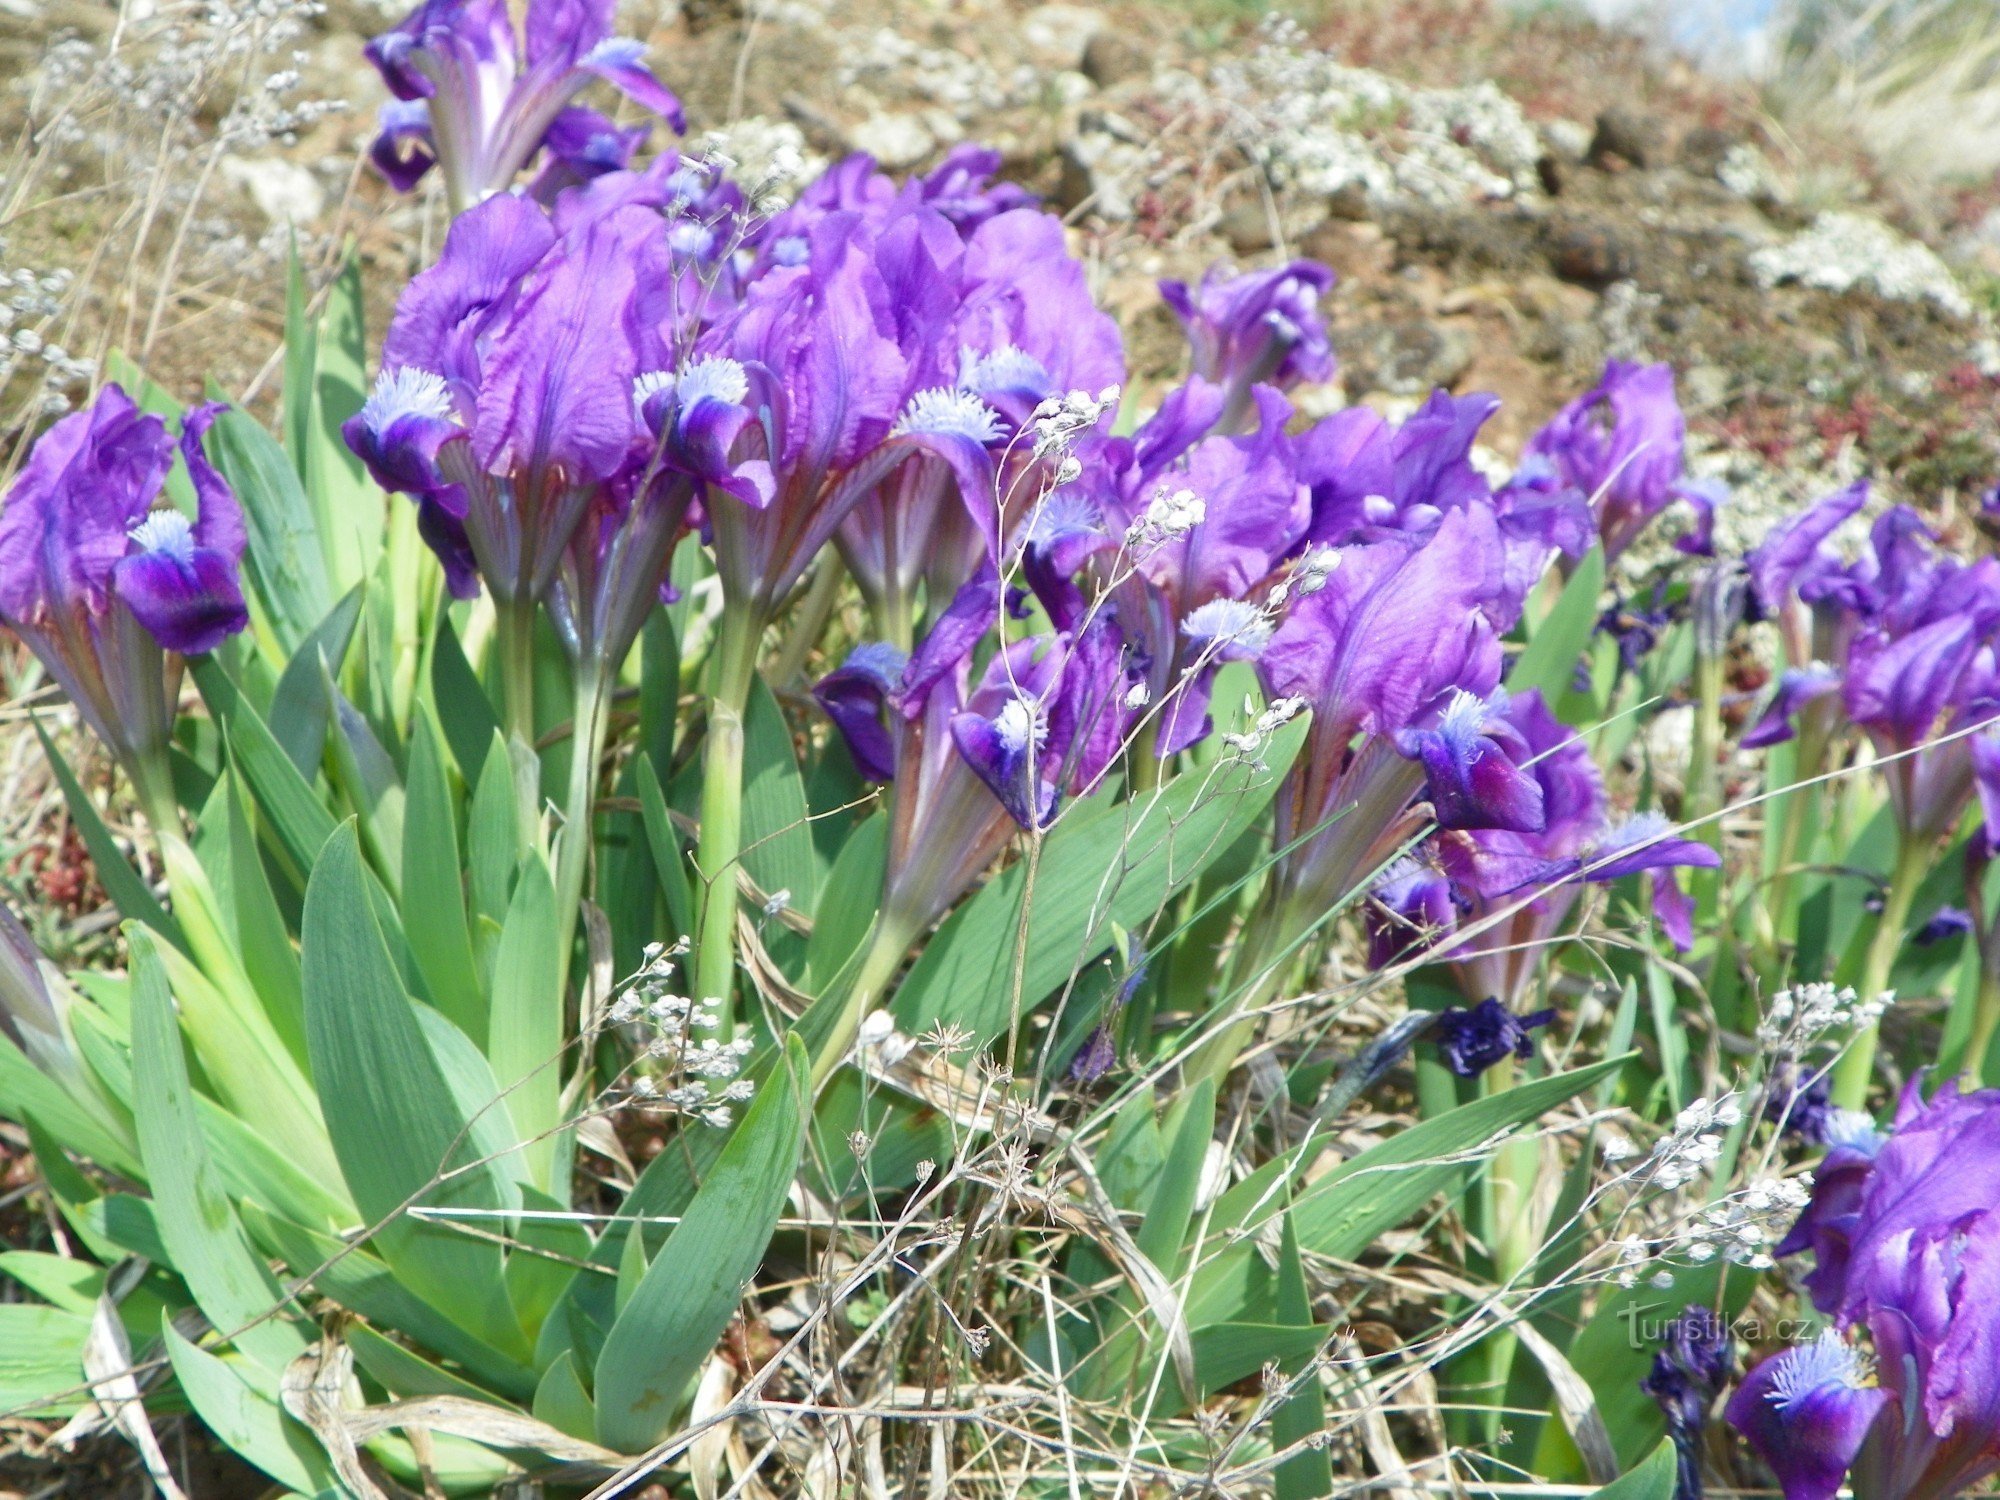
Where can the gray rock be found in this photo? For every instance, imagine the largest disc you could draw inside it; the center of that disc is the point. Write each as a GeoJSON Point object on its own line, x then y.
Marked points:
{"type": "Point", "coordinates": [1592, 254]}
{"type": "Point", "coordinates": [1405, 357]}
{"type": "Point", "coordinates": [1111, 58]}
{"type": "Point", "coordinates": [1704, 149]}
{"type": "Point", "coordinates": [1627, 135]}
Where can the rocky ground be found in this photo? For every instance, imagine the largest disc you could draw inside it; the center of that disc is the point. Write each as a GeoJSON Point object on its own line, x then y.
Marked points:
{"type": "Point", "coordinates": [1509, 199]}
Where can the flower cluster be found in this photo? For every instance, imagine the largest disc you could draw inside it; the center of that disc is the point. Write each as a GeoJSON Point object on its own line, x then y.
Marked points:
{"type": "Point", "coordinates": [1523, 822]}
{"type": "Point", "coordinates": [1906, 1250]}
{"type": "Point", "coordinates": [1899, 643]}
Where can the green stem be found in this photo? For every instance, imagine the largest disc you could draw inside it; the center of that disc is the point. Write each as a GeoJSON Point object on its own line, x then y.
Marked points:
{"type": "Point", "coordinates": [1810, 751]}
{"type": "Point", "coordinates": [1145, 758]}
{"type": "Point", "coordinates": [1704, 773]}
{"type": "Point", "coordinates": [573, 850]}
{"type": "Point", "coordinates": [1985, 1020]}
{"type": "Point", "coordinates": [1264, 957]}
{"type": "Point", "coordinates": [1852, 1073]}
{"type": "Point", "coordinates": [733, 668]}
{"type": "Point", "coordinates": [1513, 1239]}
{"type": "Point", "coordinates": [808, 623]}
{"type": "Point", "coordinates": [886, 947]}
{"type": "Point", "coordinates": [514, 638]}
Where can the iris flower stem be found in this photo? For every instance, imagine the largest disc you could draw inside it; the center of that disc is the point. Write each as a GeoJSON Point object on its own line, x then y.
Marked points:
{"type": "Point", "coordinates": [1809, 753]}
{"type": "Point", "coordinates": [887, 943]}
{"type": "Point", "coordinates": [808, 623]}
{"type": "Point", "coordinates": [1513, 1239]}
{"type": "Point", "coordinates": [593, 701]}
{"type": "Point", "coordinates": [514, 637]}
{"type": "Point", "coordinates": [1268, 948]}
{"type": "Point", "coordinates": [1985, 1019]}
{"type": "Point", "coordinates": [1704, 773]}
{"type": "Point", "coordinates": [1857, 1064]}
{"type": "Point", "coordinates": [733, 668]}
{"type": "Point", "coordinates": [1145, 758]}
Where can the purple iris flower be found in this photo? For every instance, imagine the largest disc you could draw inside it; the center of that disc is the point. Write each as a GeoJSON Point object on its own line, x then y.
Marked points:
{"type": "Point", "coordinates": [110, 589]}
{"type": "Point", "coordinates": [1465, 877]}
{"type": "Point", "coordinates": [479, 101]}
{"type": "Point", "coordinates": [973, 761]}
{"type": "Point", "coordinates": [989, 323]}
{"type": "Point", "coordinates": [839, 402]}
{"type": "Point", "coordinates": [1189, 531]}
{"type": "Point", "coordinates": [1369, 480]}
{"type": "Point", "coordinates": [505, 406]}
{"type": "Point", "coordinates": [583, 145]}
{"type": "Point", "coordinates": [1257, 328]}
{"type": "Point", "coordinates": [1798, 688]}
{"type": "Point", "coordinates": [1395, 632]}
{"type": "Point", "coordinates": [1688, 1372]}
{"type": "Point", "coordinates": [1800, 1106]}
{"type": "Point", "coordinates": [1907, 1245]}
{"type": "Point", "coordinates": [1472, 1039]}
{"type": "Point", "coordinates": [1900, 643]}
{"type": "Point", "coordinates": [1469, 776]}
{"type": "Point", "coordinates": [1920, 665]}
{"type": "Point", "coordinates": [1620, 445]}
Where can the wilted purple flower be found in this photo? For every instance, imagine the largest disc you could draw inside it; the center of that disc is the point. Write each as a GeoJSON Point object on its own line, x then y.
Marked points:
{"type": "Point", "coordinates": [1637, 630]}
{"type": "Point", "coordinates": [1907, 1246]}
{"type": "Point", "coordinates": [1473, 1039]}
{"type": "Point", "coordinates": [1688, 1372]}
{"type": "Point", "coordinates": [1099, 1051]}
{"type": "Point", "coordinates": [471, 98]}
{"type": "Point", "coordinates": [1620, 446]}
{"type": "Point", "coordinates": [1257, 328]}
{"type": "Point", "coordinates": [101, 584]}
{"type": "Point", "coordinates": [1945, 923]}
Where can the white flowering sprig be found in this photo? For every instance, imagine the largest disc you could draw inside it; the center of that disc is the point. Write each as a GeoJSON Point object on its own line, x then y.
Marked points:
{"type": "Point", "coordinates": [1061, 420]}
{"type": "Point", "coordinates": [1694, 1144]}
{"type": "Point", "coordinates": [1248, 746]}
{"type": "Point", "coordinates": [1168, 516]}
{"type": "Point", "coordinates": [1798, 1017]}
{"type": "Point", "coordinates": [696, 1075]}
{"type": "Point", "coordinates": [1743, 1227]}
